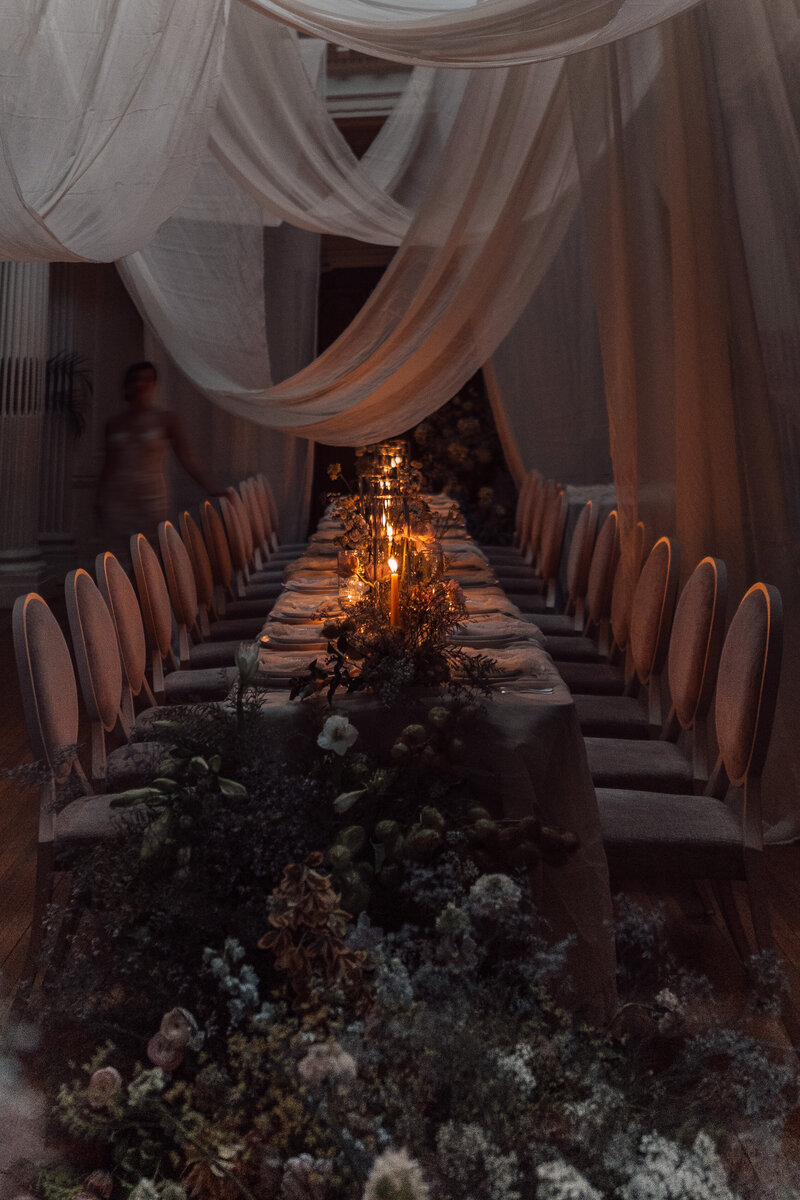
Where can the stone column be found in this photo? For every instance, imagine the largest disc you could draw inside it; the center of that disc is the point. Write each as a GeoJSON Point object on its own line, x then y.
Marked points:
{"type": "Point", "coordinates": [23, 352]}
{"type": "Point", "coordinates": [56, 533]}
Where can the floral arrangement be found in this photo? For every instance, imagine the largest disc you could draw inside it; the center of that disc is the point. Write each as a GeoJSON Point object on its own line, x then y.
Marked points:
{"type": "Point", "coordinates": [324, 977]}
{"type": "Point", "coordinates": [459, 453]}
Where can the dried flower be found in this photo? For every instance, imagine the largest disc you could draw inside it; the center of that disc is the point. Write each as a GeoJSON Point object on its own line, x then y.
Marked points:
{"type": "Point", "coordinates": [247, 660]}
{"type": "Point", "coordinates": [179, 1028]}
{"type": "Point", "coordinates": [103, 1086]}
{"type": "Point", "coordinates": [337, 734]}
{"type": "Point", "coordinates": [326, 1062]}
{"type": "Point", "coordinates": [559, 1181]}
{"type": "Point", "coordinates": [100, 1184]}
{"type": "Point", "coordinates": [395, 1176]}
{"type": "Point", "coordinates": [162, 1053]}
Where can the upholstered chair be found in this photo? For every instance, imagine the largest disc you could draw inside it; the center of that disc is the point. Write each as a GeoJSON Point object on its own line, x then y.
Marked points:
{"type": "Point", "coordinates": [50, 705]}
{"type": "Point", "coordinates": [193, 650]}
{"type": "Point", "coordinates": [511, 557]}
{"type": "Point", "coordinates": [608, 669]}
{"type": "Point", "coordinates": [224, 557]}
{"type": "Point", "coordinates": [242, 545]}
{"type": "Point", "coordinates": [103, 687]}
{"type": "Point", "coordinates": [281, 551]}
{"type": "Point", "coordinates": [172, 685]}
{"type": "Point", "coordinates": [694, 652]}
{"type": "Point", "coordinates": [120, 597]}
{"type": "Point", "coordinates": [590, 601]}
{"type": "Point", "coordinates": [537, 592]}
{"type": "Point", "coordinates": [263, 571]}
{"type": "Point", "coordinates": [657, 837]}
{"type": "Point", "coordinates": [211, 626]}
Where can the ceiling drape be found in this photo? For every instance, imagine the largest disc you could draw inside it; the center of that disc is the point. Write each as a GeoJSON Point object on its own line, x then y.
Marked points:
{"type": "Point", "coordinates": [105, 110]}
{"type": "Point", "coordinates": [471, 33]}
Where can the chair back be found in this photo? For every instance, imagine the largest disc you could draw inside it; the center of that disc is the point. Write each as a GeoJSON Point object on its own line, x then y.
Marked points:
{"type": "Point", "coordinates": [579, 557]}
{"type": "Point", "coordinates": [201, 566]}
{"type": "Point", "coordinates": [247, 489]}
{"type": "Point", "coordinates": [156, 609]}
{"type": "Point", "coordinates": [245, 525]}
{"type": "Point", "coordinates": [555, 523]}
{"type": "Point", "coordinates": [46, 683]}
{"type": "Point", "coordinates": [695, 644]}
{"type": "Point", "coordinates": [181, 583]}
{"type": "Point", "coordinates": [601, 570]}
{"type": "Point", "coordinates": [272, 503]}
{"type": "Point", "coordinates": [747, 683]}
{"type": "Point", "coordinates": [120, 597]}
{"type": "Point", "coordinates": [653, 609]}
{"type": "Point", "coordinates": [626, 577]}
{"type": "Point", "coordinates": [97, 659]}
{"type": "Point", "coordinates": [525, 503]}
{"type": "Point", "coordinates": [539, 508]}
{"type": "Point", "coordinates": [262, 499]}
{"type": "Point", "coordinates": [219, 552]}
{"type": "Point", "coordinates": [236, 543]}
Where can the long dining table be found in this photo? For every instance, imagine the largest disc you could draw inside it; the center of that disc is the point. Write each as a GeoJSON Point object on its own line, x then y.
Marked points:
{"type": "Point", "coordinates": [530, 755]}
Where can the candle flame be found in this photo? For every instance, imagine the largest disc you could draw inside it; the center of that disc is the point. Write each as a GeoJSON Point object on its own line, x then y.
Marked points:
{"type": "Point", "coordinates": [393, 565]}
{"type": "Point", "coordinates": [389, 532]}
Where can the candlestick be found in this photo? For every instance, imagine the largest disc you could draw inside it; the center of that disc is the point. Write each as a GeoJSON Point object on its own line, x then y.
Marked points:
{"type": "Point", "coordinates": [394, 596]}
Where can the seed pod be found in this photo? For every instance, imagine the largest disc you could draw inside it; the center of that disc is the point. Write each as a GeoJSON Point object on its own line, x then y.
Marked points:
{"type": "Point", "coordinates": [439, 717]}
{"type": "Point", "coordinates": [421, 844]}
{"type": "Point", "coordinates": [431, 818]}
{"type": "Point", "coordinates": [414, 735]}
{"type": "Point", "coordinates": [386, 831]}
{"type": "Point", "coordinates": [477, 813]}
{"type": "Point", "coordinates": [400, 752]}
{"type": "Point", "coordinates": [354, 838]}
{"type": "Point", "coordinates": [339, 858]}
{"type": "Point", "coordinates": [485, 833]}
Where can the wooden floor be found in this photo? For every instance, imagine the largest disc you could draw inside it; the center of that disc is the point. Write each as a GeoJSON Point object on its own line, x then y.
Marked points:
{"type": "Point", "coordinates": [698, 934]}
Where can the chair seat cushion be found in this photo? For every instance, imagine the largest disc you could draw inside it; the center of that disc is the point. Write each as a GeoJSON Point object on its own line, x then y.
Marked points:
{"type": "Point", "coordinates": [268, 574]}
{"type": "Point", "coordinates": [649, 834]}
{"type": "Point", "coordinates": [573, 649]}
{"type": "Point", "coordinates": [525, 585]}
{"type": "Point", "coordinates": [250, 608]}
{"type": "Point", "coordinates": [92, 817]}
{"type": "Point", "coordinates": [528, 603]}
{"type": "Point", "coordinates": [134, 763]}
{"type": "Point", "coordinates": [638, 763]}
{"type": "Point", "coordinates": [596, 679]}
{"type": "Point", "coordinates": [214, 654]}
{"type": "Point", "coordinates": [214, 683]}
{"type": "Point", "coordinates": [263, 591]}
{"type": "Point", "coordinates": [241, 628]}
{"type": "Point", "coordinates": [557, 625]}
{"type": "Point", "coordinates": [612, 716]}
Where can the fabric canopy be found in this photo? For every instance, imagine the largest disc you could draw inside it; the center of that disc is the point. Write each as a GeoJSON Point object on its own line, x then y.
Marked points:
{"type": "Point", "coordinates": [471, 33]}
{"type": "Point", "coordinates": [493, 216]}
{"type": "Point", "coordinates": [105, 110]}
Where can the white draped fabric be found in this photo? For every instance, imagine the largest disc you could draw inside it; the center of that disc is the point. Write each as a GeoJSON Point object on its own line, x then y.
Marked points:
{"type": "Point", "coordinates": [471, 33]}
{"type": "Point", "coordinates": [105, 110]}
{"type": "Point", "coordinates": [492, 218]}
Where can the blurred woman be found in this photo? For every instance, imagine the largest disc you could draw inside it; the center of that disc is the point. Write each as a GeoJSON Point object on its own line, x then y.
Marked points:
{"type": "Point", "coordinates": [133, 490]}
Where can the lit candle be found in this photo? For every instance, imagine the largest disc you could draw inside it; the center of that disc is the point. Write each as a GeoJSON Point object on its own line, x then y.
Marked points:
{"type": "Point", "coordinates": [394, 597]}
{"type": "Point", "coordinates": [390, 534]}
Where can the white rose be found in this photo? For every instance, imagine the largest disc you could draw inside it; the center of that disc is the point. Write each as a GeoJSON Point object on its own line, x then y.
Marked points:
{"type": "Point", "coordinates": [337, 735]}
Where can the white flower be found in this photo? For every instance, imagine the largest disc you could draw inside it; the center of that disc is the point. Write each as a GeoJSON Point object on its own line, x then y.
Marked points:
{"type": "Point", "coordinates": [515, 1067]}
{"type": "Point", "coordinates": [326, 1062]}
{"type": "Point", "coordinates": [559, 1181]}
{"type": "Point", "coordinates": [337, 734]}
{"type": "Point", "coordinates": [145, 1190]}
{"type": "Point", "coordinates": [671, 1172]}
{"type": "Point", "coordinates": [668, 1010]}
{"type": "Point", "coordinates": [494, 896]}
{"type": "Point", "coordinates": [395, 1176]}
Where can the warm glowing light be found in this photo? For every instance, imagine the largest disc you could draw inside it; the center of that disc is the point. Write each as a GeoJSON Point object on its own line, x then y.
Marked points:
{"type": "Point", "coordinates": [389, 532]}
{"type": "Point", "coordinates": [393, 564]}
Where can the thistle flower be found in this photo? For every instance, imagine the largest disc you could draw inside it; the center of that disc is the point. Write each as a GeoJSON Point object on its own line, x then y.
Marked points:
{"type": "Point", "coordinates": [337, 735]}
{"type": "Point", "coordinates": [493, 897]}
{"type": "Point", "coordinates": [395, 1176]}
{"type": "Point", "coordinates": [103, 1086]}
